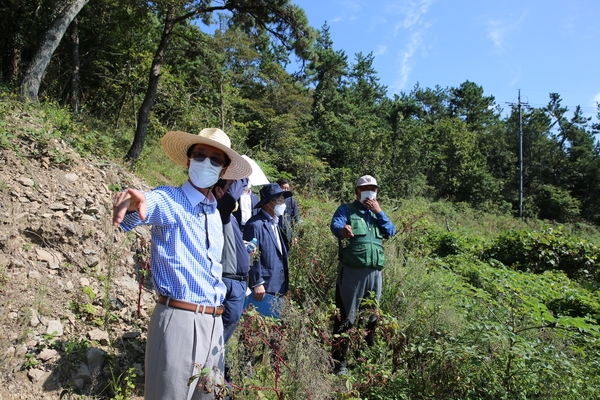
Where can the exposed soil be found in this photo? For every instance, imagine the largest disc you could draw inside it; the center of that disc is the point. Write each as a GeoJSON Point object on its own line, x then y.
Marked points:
{"type": "Point", "coordinates": [69, 322]}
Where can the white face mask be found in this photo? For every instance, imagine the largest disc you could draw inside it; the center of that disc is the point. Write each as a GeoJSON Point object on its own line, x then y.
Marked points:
{"type": "Point", "coordinates": [368, 194]}
{"type": "Point", "coordinates": [203, 174]}
{"type": "Point", "coordinates": [279, 209]}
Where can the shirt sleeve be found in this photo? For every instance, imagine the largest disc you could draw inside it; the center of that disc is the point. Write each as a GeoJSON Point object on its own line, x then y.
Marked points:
{"type": "Point", "coordinates": [387, 227]}
{"type": "Point", "coordinates": [159, 210]}
{"type": "Point", "coordinates": [339, 220]}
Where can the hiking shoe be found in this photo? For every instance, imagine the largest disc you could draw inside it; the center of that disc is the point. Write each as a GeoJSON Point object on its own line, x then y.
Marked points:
{"type": "Point", "coordinates": [342, 371]}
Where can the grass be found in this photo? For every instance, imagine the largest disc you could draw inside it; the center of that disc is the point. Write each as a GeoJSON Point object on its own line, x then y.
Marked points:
{"type": "Point", "coordinates": [452, 324]}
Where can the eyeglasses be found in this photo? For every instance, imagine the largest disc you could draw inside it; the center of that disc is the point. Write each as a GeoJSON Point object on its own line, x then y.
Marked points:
{"type": "Point", "coordinates": [279, 200]}
{"type": "Point", "coordinates": [214, 160]}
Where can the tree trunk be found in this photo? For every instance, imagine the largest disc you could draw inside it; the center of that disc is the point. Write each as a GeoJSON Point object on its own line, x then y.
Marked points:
{"type": "Point", "coordinates": [142, 121]}
{"type": "Point", "coordinates": [222, 105]}
{"type": "Point", "coordinates": [75, 80]}
{"type": "Point", "coordinates": [33, 77]}
{"type": "Point", "coordinates": [16, 62]}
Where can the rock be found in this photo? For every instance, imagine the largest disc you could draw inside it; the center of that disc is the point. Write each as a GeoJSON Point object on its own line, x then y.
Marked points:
{"type": "Point", "coordinates": [35, 374]}
{"type": "Point", "coordinates": [25, 181]}
{"type": "Point", "coordinates": [95, 359]}
{"type": "Point", "coordinates": [82, 373]}
{"type": "Point", "coordinates": [58, 207]}
{"type": "Point", "coordinates": [93, 210]}
{"type": "Point", "coordinates": [69, 227]}
{"type": "Point", "coordinates": [99, 336]}
{"type": "Point", "coordinates": [47, 354]}
{"type": "Point", "coordinates": [35, 319]}
{"type": "Point", "coordinates": [20, 216]}
{"type": "Point", "coordinates": [79, 383]}
{"type": "Point", "coordinates": [92, 261]}
{"type": "Point", "coordinates": [9, 352]}
{"type": "Point", "coordinates": [20, 351]}
{"type": "Point", "coordinates": [54, 328]}
{"type": "Point", "coordinates": [138, 370]}
{"type": "Point", "coordinates": [34, 275]}
{"type": "Point", "coordinates": [129, 283]}
{"type": "Point", "coordinates": [71, 177]}
{"type": "Point", "coordinates": [53, 259]}
{"type": "Point", "coordinates": [131, 335]}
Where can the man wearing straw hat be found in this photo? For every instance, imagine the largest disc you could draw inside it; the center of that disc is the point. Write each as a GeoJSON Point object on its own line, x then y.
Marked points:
{"type": "Point", "coordinates": [185, 336]}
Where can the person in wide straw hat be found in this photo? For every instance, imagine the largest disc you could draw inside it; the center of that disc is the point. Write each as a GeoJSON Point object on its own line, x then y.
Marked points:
{"type": "Point", "coordinates": [186, 329]}
{"type": "Point", "coordinates": [178, 146]}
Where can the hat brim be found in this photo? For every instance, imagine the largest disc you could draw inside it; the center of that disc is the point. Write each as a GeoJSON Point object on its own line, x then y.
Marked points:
{"type": "Point", "coordinates": [286, 194]}
{"type": "Point", "coordinates": [175, 145]}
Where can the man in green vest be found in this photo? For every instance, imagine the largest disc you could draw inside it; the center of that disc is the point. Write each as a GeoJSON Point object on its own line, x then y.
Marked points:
{"type": "Point", "coordinates": [360, 227]}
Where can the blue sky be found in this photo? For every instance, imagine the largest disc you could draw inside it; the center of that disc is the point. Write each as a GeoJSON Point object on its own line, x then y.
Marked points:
{"type": "Point", "coordinates": [537, 46]}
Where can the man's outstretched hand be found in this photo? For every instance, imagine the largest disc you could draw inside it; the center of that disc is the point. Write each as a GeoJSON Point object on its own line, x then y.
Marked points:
{"type": "Point", "coordinates": [346, 232]}
{"type": "Point", "coordinates": [131, 200]}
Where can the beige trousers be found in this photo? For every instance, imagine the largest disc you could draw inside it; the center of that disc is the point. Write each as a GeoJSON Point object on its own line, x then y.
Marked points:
{"type": "Point", "coordinates": [181, 344]}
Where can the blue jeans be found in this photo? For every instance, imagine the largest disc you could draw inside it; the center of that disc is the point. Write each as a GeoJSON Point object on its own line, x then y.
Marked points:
{"type": "Point", "coordinates": [233, 304]}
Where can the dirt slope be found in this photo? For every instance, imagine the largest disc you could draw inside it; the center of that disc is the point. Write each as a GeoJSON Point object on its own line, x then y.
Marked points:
{"type": "Point", "coordinates": [69, 280]}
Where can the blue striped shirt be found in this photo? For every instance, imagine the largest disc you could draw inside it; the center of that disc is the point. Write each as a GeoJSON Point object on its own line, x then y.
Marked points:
{"type": "Point", "coordinates": [187, 242]}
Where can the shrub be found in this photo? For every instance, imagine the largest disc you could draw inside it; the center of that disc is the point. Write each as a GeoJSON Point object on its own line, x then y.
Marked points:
{"type": "Point", "coordinates": [547, 249]}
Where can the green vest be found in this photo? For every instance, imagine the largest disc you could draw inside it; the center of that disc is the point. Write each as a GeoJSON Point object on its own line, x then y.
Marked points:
{"type": "Point", "coordinates": [365, 249]}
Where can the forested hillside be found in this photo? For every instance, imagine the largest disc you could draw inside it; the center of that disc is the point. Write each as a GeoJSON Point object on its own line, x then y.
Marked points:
{"type": "Point", "coordinates": [290, 99]}
{"type": "Point", "coordinates": [477, 302]}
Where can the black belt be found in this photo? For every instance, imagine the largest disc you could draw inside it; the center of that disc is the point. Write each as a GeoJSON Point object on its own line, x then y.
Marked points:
{"type": "Point", "coordinates": [235, 277]}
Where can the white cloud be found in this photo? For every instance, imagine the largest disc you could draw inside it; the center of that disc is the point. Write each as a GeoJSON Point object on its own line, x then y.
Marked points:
{"type": "Point", "coordinates": [381, 49]}
{"type": "Point", "coordinates": [499, 30]}
{"type": "Point", "coordinates": [412, 22]}
{"type": "Point", "coordinates": [414, 12]}
{"type": "Point", "coordinates": [496, 33]}
{"type": "Point", "coordinates": [406, 62]}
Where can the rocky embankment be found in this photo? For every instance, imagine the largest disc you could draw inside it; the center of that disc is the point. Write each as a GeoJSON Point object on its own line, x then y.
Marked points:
{"type": "Point", "coordinates": [69, 280]}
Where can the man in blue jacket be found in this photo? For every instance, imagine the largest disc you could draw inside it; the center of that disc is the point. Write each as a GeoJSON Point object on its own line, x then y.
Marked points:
{"type": "Point", "coordinates": [269, 272]}
{"type": "Point", "coordinates": [360, 227]}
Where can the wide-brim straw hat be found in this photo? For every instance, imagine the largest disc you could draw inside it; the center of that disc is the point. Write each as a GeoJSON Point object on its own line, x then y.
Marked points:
{"type": "Point", "coordinates": [176, 144]}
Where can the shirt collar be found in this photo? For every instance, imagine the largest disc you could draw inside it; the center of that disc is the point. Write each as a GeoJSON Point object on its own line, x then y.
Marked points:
{"type": "Point", "coordinates": [195, 197]}
{"type": "Point", "coordinates": [273, 220]}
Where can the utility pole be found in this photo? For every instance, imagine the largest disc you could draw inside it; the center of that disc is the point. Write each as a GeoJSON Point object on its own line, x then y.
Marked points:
{"type": "Point", "coordinates": [519, 107]}
{"type": "Point", "coordinates": [520, 158]}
